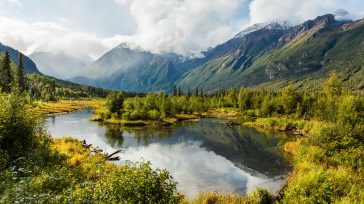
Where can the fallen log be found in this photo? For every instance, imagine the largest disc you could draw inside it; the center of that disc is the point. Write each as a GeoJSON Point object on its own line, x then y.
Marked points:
{"type": "Point", "coordinates": [85, 145]}
{"type": "Point", "coordinates": [108, 157]}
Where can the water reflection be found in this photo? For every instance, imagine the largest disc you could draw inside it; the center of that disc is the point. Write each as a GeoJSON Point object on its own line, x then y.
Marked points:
{"type": "Point", "coordinates": [201, 155]}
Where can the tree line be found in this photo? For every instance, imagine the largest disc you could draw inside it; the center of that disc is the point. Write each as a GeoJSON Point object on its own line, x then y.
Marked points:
{"type": "Point", "coordinates": [41, 87]}
{"type": "Point", "coordinates": [301, 105]}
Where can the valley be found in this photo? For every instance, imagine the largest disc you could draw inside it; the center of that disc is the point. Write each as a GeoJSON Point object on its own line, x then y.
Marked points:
{"type": "Point", "coordinates": [273, 115]}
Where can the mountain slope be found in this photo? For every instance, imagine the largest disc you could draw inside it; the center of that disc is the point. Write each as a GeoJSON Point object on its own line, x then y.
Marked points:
{"type": "Point", "coordinates": [130, 70]}
{"type": "Point", "coordinates": [231, 57]}
{"type": "Point", "coordinates": [303, 54]}
{"type": "Point", "coordinates": [58, 64]}
{"type": "Point", "coordinates": [29, 65]}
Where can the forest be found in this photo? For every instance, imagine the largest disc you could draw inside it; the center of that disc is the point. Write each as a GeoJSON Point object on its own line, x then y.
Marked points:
{"type": "Point", "coordinates": [36, 168]}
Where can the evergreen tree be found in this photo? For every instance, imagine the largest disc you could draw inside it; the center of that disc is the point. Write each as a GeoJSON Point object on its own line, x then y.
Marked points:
{"type": "Point", "coordinates": [179, 91]}
{"type": "Point", "coordinates": [20, 79]}
{"type": "Point", "coordinates": [175, 91]}
{"type": "Point", "coordinates": [196, 92]}
{"type": "Point", "coordinates": [5, 73]}
{"type": "Point", "coordinates": [188, 92]}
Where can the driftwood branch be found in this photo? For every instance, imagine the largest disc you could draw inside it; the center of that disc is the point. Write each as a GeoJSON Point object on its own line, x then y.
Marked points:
{"type": "Point", "coordinates": [111, 155]}
{"type": "Point", "coordinates": [108, 157]}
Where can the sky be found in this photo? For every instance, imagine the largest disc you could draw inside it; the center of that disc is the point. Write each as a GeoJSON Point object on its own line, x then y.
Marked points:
{"type": "Point", "coordinates": [92, 27]}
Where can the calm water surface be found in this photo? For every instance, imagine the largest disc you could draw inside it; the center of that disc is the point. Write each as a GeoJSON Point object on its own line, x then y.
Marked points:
{"type": "Point", "coordinates": [201, 155]}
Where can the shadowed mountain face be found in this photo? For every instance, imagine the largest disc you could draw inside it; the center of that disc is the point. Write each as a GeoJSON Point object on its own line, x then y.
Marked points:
{"type": "Point", "coordinates": [29, 65]}
{"type": "Point", "coordinates": [130, 70]}
{"type": "Point", "coordinates": [262, 56]}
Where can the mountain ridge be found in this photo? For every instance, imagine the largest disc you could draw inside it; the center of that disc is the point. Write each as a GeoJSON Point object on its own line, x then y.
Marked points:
{"type": "Point", "coordinates": [29, 66]}
{"type": "Point", "coordinates": [289, 59]}
{"type": "Point", "coordinates": [262, 56]}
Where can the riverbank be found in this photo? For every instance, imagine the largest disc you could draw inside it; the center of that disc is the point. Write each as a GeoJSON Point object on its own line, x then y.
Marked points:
{"type": "Point", "coordinates": [155, 140]}
{"type": "Point", "coordinates": [65, 106]}
{"type": "Point", "coordinates": [327, 156]}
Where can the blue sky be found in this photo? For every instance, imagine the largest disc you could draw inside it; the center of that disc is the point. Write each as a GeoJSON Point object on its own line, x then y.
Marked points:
{"type": "Point", "coordinates": [91, 27]}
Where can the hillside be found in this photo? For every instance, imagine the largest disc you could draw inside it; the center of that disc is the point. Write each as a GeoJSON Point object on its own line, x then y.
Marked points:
{"type": "Point", "coordinates": [131, 70]}
{"type": "Point", "coordinates": [29, 65]}
{"type": "Point", "coordinates": [304, 55]}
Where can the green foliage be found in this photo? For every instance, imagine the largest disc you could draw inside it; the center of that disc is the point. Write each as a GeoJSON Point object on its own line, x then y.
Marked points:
{"type": "Point", "coordinates": [332, 87]}
{"type": "Point", "coordinates": [329, 165]}
{"type": "Point", "coordinates": [19, 74]}
{"type": "Point", "coordinates": [35, 169]}
{"type": "Point", "coordinates": [114, 103]}
{"type": "Point", "coordinates": [6, 77]}
{"type": "Point", "coordinates": [71, 174]}
{"type": "Point", "coordinates": [156, 106]}
{"type": "Point", "coordinates": [51, 89]}
{"type": "Point", "coordinates": [19, 130]}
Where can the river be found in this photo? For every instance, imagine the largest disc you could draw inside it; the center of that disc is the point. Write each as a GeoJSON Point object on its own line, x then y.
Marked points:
{"type": "Point", "coordinates": [201, 155]}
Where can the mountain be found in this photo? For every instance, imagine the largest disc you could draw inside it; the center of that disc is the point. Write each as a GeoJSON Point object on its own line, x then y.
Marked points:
{"type": "Point", "coordinates": [58, 64]}
{"type": "Point", "coordinates": [270, 56]}
{"type": "Point", "coordinates": [129, 69]}
{"type": "Point", "coordinates": [29, 65]}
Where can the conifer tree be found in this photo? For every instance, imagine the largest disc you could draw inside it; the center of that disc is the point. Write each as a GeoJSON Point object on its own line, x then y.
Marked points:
{"type": "Point", "coordinates": [179, 91]}
{"type": "Point", "coordinates": [20, 79]}
{"type": "Point", "coordinates": [188, 92]}
{"type": "Point", "coordinates": [175, 91]}
{"type": "Point", "coordinates": [5, 73]}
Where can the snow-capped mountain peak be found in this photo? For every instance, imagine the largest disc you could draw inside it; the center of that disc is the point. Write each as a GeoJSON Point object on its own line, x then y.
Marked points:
{"type": "Point", "coordinates": [268, 25]}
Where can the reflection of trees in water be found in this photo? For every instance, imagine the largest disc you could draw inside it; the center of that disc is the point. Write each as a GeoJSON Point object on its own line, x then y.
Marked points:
{"type": "Point", "coordinates": [145, 136]}
{"type": "Point", "coordinates": [114, 136]}
{"type": "Point", "coordinates": [245, 147]}
{"type": "Point", "coordinates": [53, 119]}
{"type": "Point", "coordinates": [242, 145]}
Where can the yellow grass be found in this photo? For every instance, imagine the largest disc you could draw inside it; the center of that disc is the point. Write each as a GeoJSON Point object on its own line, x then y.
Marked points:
{"type": "Point", "coordinates": [65, 106]}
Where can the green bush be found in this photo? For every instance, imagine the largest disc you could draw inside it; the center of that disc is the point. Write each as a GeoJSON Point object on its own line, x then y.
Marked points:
{"type": "Point", "coordinates": [114, 102]}
{"type": "Point", "coordinates": [20, 131]}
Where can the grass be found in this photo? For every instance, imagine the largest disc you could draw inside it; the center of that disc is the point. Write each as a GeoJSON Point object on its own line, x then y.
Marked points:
{"type": "Point", "coordinates": [259, 196]}
{"type": "Point", "coordinates": [230, 113]}
{"type": "Point", "coordinates": [284, 124]}
{"type": "Point", "coordinates": [134, 123]}
{"type": "Point", "coordinates": [65, 106]}
{"type": "Point", "coordinates": [70, 173]}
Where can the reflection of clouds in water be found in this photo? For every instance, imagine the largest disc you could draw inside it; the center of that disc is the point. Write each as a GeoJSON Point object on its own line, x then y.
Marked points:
{"type": "Point", "coordinates": [194, 168]}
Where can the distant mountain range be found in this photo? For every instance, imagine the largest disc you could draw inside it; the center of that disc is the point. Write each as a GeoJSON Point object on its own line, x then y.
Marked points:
{"type": "Point", "coordinates": [130, 70]}
{"type": "Point", "coordinates": [272, 56]}
{"type": "Point", "coordinates": [268, 56]}
{"type": "Point", "coordinates": [58, 64]}
{"type": "Point", "coordinates": [29, 65]}
{"type": "Point", "coordinates": [264, 55]}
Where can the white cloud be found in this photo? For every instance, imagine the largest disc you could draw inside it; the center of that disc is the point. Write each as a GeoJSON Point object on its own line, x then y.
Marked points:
{"type": "Point", "coordinates": [298, 11]}
{"type": "Point", "coordinates": [44, 36]}
{"type": "Point", "coordinates": [11, 2]}
{"type": "Point", "coordinates": [182, 26]}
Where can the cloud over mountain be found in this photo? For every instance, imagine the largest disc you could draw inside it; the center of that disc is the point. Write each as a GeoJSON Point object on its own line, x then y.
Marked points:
{"type": "Point", "coordinates": [180, 26]}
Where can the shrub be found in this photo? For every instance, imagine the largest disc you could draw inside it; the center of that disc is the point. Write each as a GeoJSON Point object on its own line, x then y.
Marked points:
{"type": "Point", "coordinates": [114, 102]}
{"type": "Point", "coordinates": [20, 131]}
